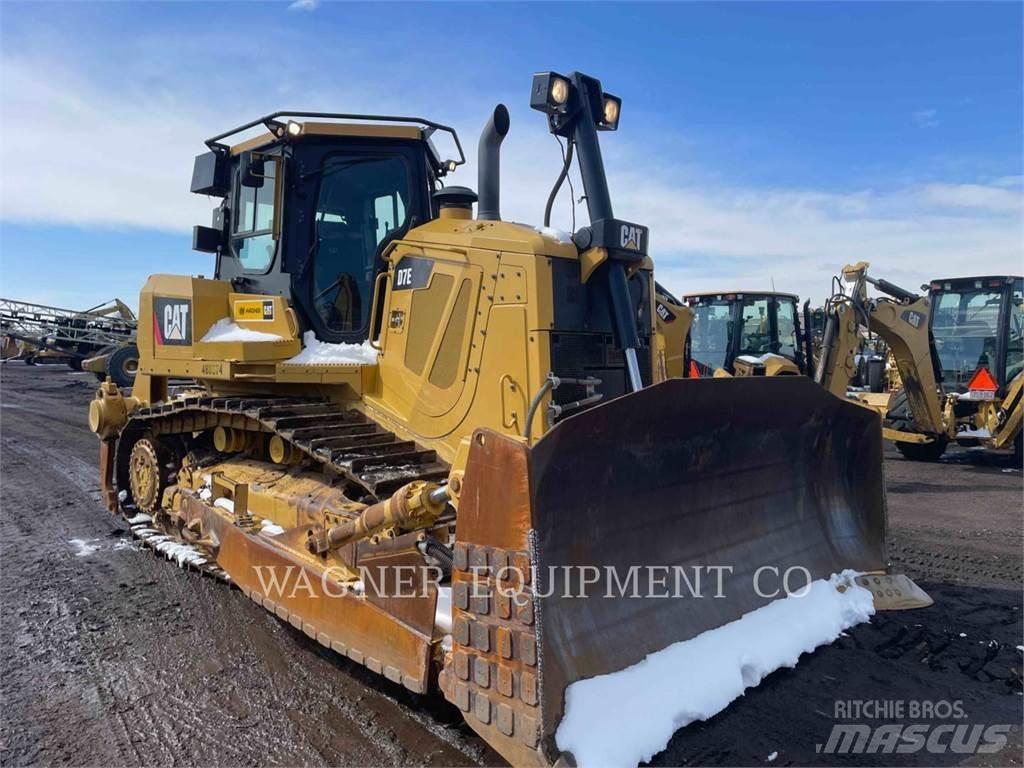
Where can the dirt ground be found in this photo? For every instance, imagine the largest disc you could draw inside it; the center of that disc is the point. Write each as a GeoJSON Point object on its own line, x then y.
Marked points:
{"type": "Point", "coordinates": [111, 656]}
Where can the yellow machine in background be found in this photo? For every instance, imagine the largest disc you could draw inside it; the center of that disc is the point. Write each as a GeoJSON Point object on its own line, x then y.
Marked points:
{"type": "Point", "coordinates": [738, 333]}
{"type": "Point", "coordinates": [965, 325]}
{"type": "Point", "coordinates": [385, 380]}
{"type": "Point", "coordinates": [673, 319]}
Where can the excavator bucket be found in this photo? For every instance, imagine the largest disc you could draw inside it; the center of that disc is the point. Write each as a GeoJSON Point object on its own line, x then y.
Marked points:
{"type": "Point", "coordinates": [720, 477]}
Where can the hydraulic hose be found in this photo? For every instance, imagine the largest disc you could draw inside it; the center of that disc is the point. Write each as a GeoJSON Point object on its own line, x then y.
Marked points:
{"type": "Point", "coordinates": [567, 162]}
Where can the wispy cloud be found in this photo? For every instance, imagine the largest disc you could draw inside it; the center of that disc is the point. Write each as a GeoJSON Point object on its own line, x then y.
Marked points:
{"type": "Point", "coordinates": [304, 5]}
{"type": "Point", "coordinates": [926, 118]}
{"type": "Point", "coordinates": [125, 158]}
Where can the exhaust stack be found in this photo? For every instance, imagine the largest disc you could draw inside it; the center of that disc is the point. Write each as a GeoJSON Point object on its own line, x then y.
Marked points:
{"type": "Point", "coordinates": [489, 165]}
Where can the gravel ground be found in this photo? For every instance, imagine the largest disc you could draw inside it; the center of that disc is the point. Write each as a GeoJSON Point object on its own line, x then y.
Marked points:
{"type": "Point", "coordinates": [114, 657]}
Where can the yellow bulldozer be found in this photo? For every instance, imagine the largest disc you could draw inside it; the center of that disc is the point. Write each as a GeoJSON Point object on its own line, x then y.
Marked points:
{"type": "Point", "coordinates": [398, 404]}
{"type": "Point", "coordinates": [958, 351]}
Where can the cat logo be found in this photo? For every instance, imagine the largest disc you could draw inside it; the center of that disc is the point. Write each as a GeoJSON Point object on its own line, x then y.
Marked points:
{"type": "Point", "coordinates": [631, 237]}
{"type": "Point", "coordinates": [913, 318]}
{"type": "Point", "coordinates": [664, 313]}
{"type": "Point", "coordinates": [172, 321]}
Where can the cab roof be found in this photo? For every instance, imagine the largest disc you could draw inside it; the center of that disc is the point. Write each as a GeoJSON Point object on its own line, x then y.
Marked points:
{"type": "Point", "coordinates": [290, 125]}
{"type": "Point", "coordinates": [738, 294]}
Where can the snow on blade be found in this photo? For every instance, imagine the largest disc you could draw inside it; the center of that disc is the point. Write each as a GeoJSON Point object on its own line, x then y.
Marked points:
{"type": "Point", "coordinates": [226, 329]}
{"type": "Point", "coordinates": [316, 352]}
{"type": "Point", "coordinates": [140, 518]}
{"type": "Point", "coordinates": [696, 679]}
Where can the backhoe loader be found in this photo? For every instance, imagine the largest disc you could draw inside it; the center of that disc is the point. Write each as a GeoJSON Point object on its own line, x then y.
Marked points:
{"type": "Point", "coordinates": [745, 333]}
{"type": "Point", "coordinates": [401, 409]}
{"type": "Point", "coordinates": [959, 352]}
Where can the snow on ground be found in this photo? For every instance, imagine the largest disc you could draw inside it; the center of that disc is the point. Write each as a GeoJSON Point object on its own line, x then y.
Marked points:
{"type": "Point", "coordinates": [226, 329]}
{"type": "Point", "coordinates": [981, 433]}
{"type": "Point", "coordinates": [316, 352]}
{"type": "Point", "coordinates": [698, 678]}
{"type": "Point", "coordinates": [84, 547]}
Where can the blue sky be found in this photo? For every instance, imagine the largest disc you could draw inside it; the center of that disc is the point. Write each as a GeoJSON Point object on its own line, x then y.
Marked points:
{"type": "Point", "coordinates": [759, 141]}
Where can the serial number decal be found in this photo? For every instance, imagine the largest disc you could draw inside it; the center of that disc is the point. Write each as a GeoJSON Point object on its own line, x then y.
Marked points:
{"type": "Point", "coordinates": [213, 369]}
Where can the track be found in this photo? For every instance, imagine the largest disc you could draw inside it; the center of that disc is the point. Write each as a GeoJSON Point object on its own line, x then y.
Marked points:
{"type": "Point", "coordinates": [116, 657]}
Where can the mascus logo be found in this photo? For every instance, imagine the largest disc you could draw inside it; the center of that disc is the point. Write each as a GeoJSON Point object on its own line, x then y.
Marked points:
{"type": "Point", "coordinates": [172, 321]}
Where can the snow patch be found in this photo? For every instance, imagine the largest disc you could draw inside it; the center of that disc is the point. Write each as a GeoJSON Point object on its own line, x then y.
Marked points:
{"type": "Point", "coordinates": [555, 234]}
{"type": "Point", "coordinates": [84, 547]}
{"type": "Point", "coordinates": [696, 679]}
{"type": "Point", "coordinates": [270, 528]}
{"type": "Point", "coordinates": [226, 329]}
{"type": "Point", "coordinates": [443, 611]}
{"type": "Point", "coordinates": [316, 352]}
{"type": "Point", "coordinates": [182, 554]}
{"type": "Point", "coordinates": [772, 756]}
{"type": "Point", "coordinates": [227, 504]}
{"type": "Point", "coordinates": [139, 519]}
{"type": "Point", "coordinates": [981, 433]}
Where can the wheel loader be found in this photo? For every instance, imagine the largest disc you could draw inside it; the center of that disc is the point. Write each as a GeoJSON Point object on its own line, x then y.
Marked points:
{"type": "Point", "coordinates": [959, 353]}
{"type": "Point", "coordinates": [390, 388]}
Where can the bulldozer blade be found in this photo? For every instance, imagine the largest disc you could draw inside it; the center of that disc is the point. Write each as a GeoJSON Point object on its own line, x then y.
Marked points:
{"type": "Point", "coordinates": [729, 483]}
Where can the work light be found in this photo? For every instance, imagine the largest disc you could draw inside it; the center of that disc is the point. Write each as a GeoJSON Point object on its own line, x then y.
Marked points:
{"type": "Point", "coordinates": [609, 119]}
{"type": "Point", "coordinates": [550, 92]}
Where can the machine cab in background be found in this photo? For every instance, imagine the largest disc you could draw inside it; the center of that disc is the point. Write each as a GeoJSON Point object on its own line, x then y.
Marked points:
{"type": "Point", "coordinates": [308, 208]}
{"type": "Point", "coordinates": [978, 322]}
{"type": "Point", "coordinates": [728, 325]}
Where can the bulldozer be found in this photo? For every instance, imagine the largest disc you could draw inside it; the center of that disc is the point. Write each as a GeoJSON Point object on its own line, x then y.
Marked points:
{"type": "Point", "coordinates": [391, 387]}
{"type": "Point", "coordinates": [958, 350]}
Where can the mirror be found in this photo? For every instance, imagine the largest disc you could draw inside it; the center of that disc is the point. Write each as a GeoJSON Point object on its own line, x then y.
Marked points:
{"type": "Point", "coordinates": [251, 165]}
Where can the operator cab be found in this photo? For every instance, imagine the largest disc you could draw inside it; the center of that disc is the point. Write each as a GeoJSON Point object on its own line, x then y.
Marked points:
{"type": "Point", "coordinates": [978, 322]}
{"type": "Point", "coordinates": [309, 207]}
{"type": "Point", "coordinates": [728, 325]}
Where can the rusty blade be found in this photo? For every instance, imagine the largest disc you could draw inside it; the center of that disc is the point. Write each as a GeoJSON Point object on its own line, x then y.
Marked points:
{"type": "Point", "coordinates": [738, 473]}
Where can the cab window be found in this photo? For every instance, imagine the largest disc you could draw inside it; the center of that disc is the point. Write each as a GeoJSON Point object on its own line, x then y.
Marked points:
{"type": "Point", "coordinates": [786, 319]}
{"type": "Point", "coordinates": [1015, 342]}
{"type": "Point", "coordinates": [710, 336]}
{"type": "Point", "coordinates": [756, 336]}
{"type": "Point", "coordinates": [361, 202]}
{"type": "Point", "coordinates": [253, 241]}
